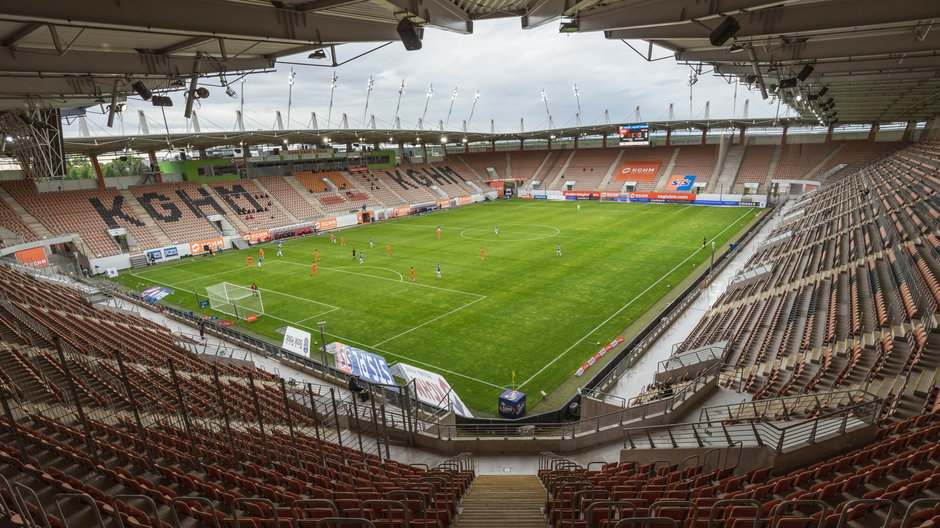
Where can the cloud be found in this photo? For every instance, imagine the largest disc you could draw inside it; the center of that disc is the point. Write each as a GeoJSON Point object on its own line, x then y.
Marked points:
{"type": "Point", "coordinates": [510, 67]}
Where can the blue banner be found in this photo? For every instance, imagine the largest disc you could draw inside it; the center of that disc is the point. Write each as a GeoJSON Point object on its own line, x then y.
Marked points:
{"type": "Point", "coordinates": [155, 293]}
{"type": "Point", "coordinates": [370, 367]}
{"type": "Point", "coordinates": [539, 197]}
{"type": "Point", "coordinates": [154, 255]}
{"type": "Point", "coordinates": [170, 252]}
{"type": "Point", "coordinates": [680, 183]}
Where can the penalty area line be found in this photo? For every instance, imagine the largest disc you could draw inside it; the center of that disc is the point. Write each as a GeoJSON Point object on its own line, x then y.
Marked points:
{"type": "Point", "coordinates": [429, 322]}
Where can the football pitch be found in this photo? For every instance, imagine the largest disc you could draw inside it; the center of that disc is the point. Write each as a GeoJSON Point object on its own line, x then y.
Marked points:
{"type": "Point", "coordinates": [521, 309]}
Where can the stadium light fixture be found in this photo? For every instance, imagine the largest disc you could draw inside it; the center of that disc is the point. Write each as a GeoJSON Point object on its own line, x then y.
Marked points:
{"type": "Point", "coordinates": [317, 55]}
{"type": "Point", "coordinates": [737, 48]}
{"type": "Point", "coordinates": [141, 89]}
{"type": "Point", "coordinates": [443, 139]}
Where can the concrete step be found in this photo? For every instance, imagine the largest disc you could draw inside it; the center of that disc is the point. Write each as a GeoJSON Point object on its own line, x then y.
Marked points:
{"type": "Point", "coordinates": [505, 501]}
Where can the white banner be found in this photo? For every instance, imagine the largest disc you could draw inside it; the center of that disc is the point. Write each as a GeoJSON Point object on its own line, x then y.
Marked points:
{"type": "Point", "coordinates": [296, 341]}
{"type": "Point", "coordinates": [431, 388]}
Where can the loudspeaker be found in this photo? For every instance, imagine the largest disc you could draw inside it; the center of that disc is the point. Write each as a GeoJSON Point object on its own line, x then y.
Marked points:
{"type": "Point", "coordinates": [825, 89]}
{"type": "Point", "coordinates": [728, 27]}
{"type": "Point", "coordinates": [788, 83]}
{"type": "Point", "coordinates": [408, 33]}
{"type": "Point", "coordinates": [805, 72]}
{"type": "Point", "coordinates": [141, 89]}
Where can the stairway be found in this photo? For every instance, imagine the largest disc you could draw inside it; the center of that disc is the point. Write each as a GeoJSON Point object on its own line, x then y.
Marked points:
{"type": "Point", "coordinates": [305, 193]}
{"type": "Point", "coordinates": [232, 217]}
{"type": "Point", "coordinates": [149, 223]}
{"type": "Point", "coordinates": [27, 218]}
{"type": "Point", "coordinates": [500, 501]}
{"type": "Point", "coordinates": [277, 203]}
{"type": "Point", "coordinates": [729, 171]}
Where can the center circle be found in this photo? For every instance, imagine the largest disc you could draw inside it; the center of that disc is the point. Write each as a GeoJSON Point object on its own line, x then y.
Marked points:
{"type": "Point", "coordinates": [510, 232]}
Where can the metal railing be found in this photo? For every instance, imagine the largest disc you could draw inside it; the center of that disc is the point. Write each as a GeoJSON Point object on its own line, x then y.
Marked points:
{"type": "Point", "coordinates": [754, 432]}
{"type": "Point", "coordinates": [786, 407]}
{"type": "Point", "coordinates": [699, 355]}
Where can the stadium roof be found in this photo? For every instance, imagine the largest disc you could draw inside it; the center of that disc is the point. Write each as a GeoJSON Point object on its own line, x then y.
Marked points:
{"type": "Point", "coordinates": [879, 61]}
{"type": "Point", "coordinates": [157, 142]}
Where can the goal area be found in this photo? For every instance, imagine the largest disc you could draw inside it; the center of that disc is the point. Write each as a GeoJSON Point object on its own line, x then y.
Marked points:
{"type": "Point", "coordinates": [237, 301]}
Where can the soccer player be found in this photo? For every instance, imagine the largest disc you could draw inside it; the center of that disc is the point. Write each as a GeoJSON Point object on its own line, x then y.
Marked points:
{"type": "Point", "coordinates": [412, 274]}
{"type": "Point", "coordinates": [254, 289]}
{"type": "Point", "coordinates": [482, 253]}
{"type": "Point", "coordinates": [371, 245]}
{"type": "Point", "coordinates": [438, 271]}
{"type": "Point", "coordinates": [279, 250]}
{"type": "Point", "coordinates": [704, 241]}
{"type": "Point", "coordinates": [316, 255]}
{"type": "Point", "coordinates": [342, 241]}
{"type": "Point", "coordinates": [579, 207]}
{"type": "Point", "coordinates": [388, 248]}
{"type": "Point", "coordinates": [360, 257]}
{"type": "Point", "coordinates": [354, 254]}
{"type": "Point", "coordinates": [333, 237]}
{"type": "Point", "coordinates": [496, 229]}
{"type": "Point", "coordinates": [260, 260]}
{"type": "Point", "coordinates": [558, 250]}
{"type": "Point", "coordinates": [313, 268]}
{"type": "Point", "coordinates": [249, 261]}
{"type": "Point", "coordinates": [438, 232]}
{"type": "Point", "coordinates": [260, 254]}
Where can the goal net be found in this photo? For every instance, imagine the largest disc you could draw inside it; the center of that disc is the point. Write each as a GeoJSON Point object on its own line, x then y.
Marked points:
{"type": "Point", "coordinates": [234, 300]}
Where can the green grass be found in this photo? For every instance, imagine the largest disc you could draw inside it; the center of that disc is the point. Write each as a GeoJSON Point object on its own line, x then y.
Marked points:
{"type": "Point", "coordinates": [521, 309]}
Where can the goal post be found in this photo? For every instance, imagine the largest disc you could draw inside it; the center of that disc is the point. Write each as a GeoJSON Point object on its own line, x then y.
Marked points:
{"type": "Point", "coordinates": [237, 301]}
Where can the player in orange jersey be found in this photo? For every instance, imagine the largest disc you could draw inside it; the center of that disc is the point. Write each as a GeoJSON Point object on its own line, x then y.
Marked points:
{"type": "Point", "coordinates": [482, 253]}
{"type": "Point", "coordinates": [313, 268]}
{"type": "Point", "coordinates": [249, 261]}
{"type": "Point", "coordinates": [316, 255]}
{"type": "Point", "coordinates": [342, 241]}
{"type": "Point", "coordinates": [412, 273]}
{"type": "Point", "coordinates": [388, 249]}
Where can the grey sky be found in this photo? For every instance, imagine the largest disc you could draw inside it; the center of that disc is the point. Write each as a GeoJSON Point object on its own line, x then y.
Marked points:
{"type": "Point", "coordinates": [509, 67]}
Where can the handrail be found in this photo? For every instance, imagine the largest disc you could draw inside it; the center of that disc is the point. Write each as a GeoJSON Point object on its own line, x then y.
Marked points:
{"type": "Point", "coordinates": [760, 408]}
{"type": "Point", "coordinates": [751, 431]}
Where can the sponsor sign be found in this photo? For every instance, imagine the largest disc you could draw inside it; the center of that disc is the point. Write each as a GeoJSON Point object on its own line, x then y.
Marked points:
{"type": "Point", "coordinates": [431, 388]}
{"type": "Point", "coordinates": [725, 202]}
{"type": "Point", "coordinates": [511, 403]}
{"type": "Point", "coordinates": [326, 223]}
{"type": "Point", "coordinates": [661, 197]}
{"type": "Point", "coordinates": [403, 210]}
{"type": "Point", "coordinates": [257, 236]}
{"type": "Point", "coordinates": [203, 304]}
{"type": "Point", "coordinates": [34, 257]}
{"type": "Point", "coordinates": [196, 248]}
{"type": "Point", "coordinates": [583, 194]}
{"type": "Point", "coordinates": [638, 171]}
{"type": "Point", "coordinates": [680, 183]}
{"type": "Point", "coordinates": [154, 255]}
{"type": "Point", "coordinates": [296, 341]}
{"type": "Point", "coordinates": [443, 203]}
{"type": "Point", "coordinates": [540, 196]}
{"type": "Point", "coordinates": [464, 200]}
{"type": "Point", "coordinates": [251, 318]}
{"type": "Point", "coordinates": [370, 367]}
{"type": "Point", "coordinates": [155, 293]}
{"type": "Point", "coordinates": [170, 252]}
{"type": "Point", "coordinates": [357, 169]}
{"type": "Point", "coordinates": [226, 323]}
{"type": "Point", "coordinates": [599, 354]}
{"type": "Point", "coordinates": [491, 180]}
{"type": "Point", "coordinates": [111, 272]}
{"type": "Point", "coordinates": [318, 152]}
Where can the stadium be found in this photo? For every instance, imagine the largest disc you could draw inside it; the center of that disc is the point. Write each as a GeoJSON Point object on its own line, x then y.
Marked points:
{"type": "Point", "coordinates": [723, 321]}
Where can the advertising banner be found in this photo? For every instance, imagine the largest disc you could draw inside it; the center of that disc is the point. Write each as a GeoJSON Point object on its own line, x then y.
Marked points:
{"type": "Point", "coordinates": [155, 293]}
{"type": "Point", "coordinates": [34, 258]}
{"type": "Point", "coordinates": [443, 203]}
{"type": "Point", "coordinates": [680, 183]}
{"type": "Point", "coordinates": [638, 171]}
{"type": "Point", "coordinates": [492, 180]}
{"type": "Point", "coordinates": [257, 236]}
{"type": "Point", "coordinates": [583, 194]}
{"type": "Point", "coordinates": [170, 252]}
{"type": "Point", "coordinates": [599, 354]}
{"type": "Point", "coordinates": [198, 248]}
{"type": "Point", "coordinates": [296, 341]}
{"type": "Point", "coordinates": [367, 366]}
{"type": "Point", "coordinates": [431, 388]}
{"type": "Point", "coordinates": [403, 210]}
{"type": "Point", "coordinates": [464, 200]}
{"type": "Point", "coordinates": [154, 255]}
{"type": "Point", "coordinates": [326, 223]}
{"type": "Point", "coordinates": [661, 197]}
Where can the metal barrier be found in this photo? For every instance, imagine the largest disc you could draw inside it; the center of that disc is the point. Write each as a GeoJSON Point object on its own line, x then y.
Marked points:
{"type": "Point", "coordinates": [754, 432]}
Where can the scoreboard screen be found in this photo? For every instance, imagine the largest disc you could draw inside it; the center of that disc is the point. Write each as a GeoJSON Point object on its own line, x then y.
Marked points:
{"type": "Point", "coordinates": [634, 135]}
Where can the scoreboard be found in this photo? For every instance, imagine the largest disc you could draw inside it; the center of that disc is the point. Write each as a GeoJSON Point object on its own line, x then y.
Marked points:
{"type": "Point", "coordinates": [634, 135]}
